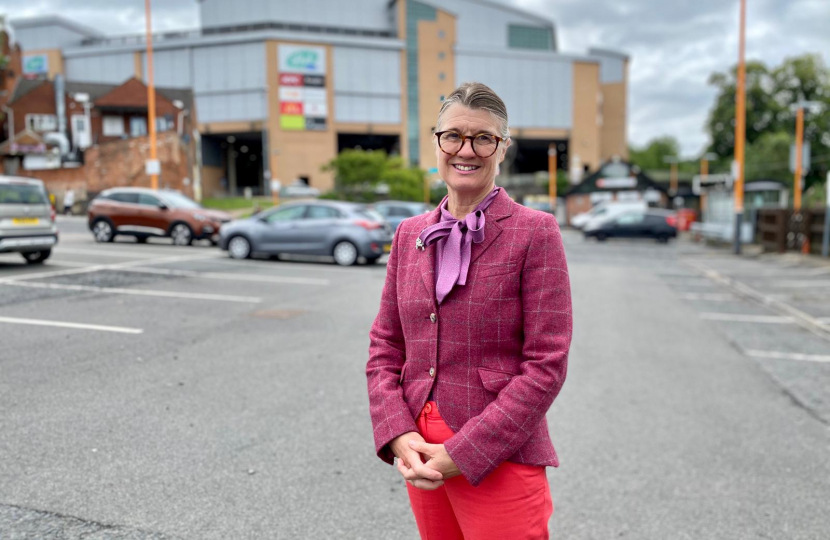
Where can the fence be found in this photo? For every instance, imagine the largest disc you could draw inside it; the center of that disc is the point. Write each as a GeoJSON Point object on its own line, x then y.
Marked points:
{"type": "Point", "coordinates": [785, 230]}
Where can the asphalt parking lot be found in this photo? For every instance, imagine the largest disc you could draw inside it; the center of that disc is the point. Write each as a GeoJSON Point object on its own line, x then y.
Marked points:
{"type": "Point", "coordinates": [150, 391]}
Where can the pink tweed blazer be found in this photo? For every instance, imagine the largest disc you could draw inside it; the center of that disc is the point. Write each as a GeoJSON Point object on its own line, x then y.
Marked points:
{"type": "Point", "coordinates": [495, 352]}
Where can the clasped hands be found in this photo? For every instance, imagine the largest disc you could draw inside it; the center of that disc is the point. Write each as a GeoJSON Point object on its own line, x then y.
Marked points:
{"type": "Point", "coordinates": [429, 474]}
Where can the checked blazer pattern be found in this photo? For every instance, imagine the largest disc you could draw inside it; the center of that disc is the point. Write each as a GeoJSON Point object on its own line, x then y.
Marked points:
{"type": "Point", "coordinates": [494, 353]}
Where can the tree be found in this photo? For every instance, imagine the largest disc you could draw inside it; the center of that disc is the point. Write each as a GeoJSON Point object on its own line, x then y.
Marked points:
{"type": "Point", "coordinates": [364, 175]}
{"type": "Point", "coordinates": [771, 94]}
{"type": "Point", "coordinates": [651, 157]}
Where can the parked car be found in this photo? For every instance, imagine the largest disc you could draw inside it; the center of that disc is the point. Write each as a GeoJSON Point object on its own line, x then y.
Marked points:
{"type": "Point", "coordinates": [605, 210]}
{"type": "Point", "coordinates": [27, 220]}
{"type": "Point", "coordinates": [655, 223]}
{"type": "Point", "coordinates": [396, 211]}
{"type": "Point", "coordinates": [143, 213]}
{"type": "Point", "coordinates": [343, 230]}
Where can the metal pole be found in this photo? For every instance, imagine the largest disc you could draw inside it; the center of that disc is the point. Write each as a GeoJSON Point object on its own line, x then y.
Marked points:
{"type": "Point", "coordinates": [704, 167]}
{"type": "Point", "coordinates": [552, 176]}
{"type": "Point", "coordinates": [151, 95]}
{"type": "Point", "coordinates": [799, 143]}
{"type": "Point", "coordinates": [825, 243]}
{"type": "Point", "coordinates": [673, 184]}
{"type": "Point", "coordinates": [740, 130]}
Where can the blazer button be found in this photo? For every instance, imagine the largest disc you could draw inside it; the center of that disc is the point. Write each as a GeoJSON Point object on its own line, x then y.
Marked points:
{"type": "Point", "coordinates": [433, 317]}
{"type": "Point", "coordinates": [432, 372]}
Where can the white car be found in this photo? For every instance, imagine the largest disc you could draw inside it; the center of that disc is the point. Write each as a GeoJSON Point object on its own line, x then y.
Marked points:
{"type": "Point", "coordinates": [604, 211]}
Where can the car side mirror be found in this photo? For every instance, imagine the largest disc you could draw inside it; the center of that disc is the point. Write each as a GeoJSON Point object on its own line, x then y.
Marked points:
{"type": "Point", "coordinates": [162, 206]}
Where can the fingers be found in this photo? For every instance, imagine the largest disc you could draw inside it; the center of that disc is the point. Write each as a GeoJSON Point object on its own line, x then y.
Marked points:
{"type": "Point", "coordinates": [426, 485]}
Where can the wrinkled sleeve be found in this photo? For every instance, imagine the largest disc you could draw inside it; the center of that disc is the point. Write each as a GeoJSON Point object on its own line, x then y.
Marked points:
{"type": "Point", "coordinates": [387, 354]}
{"type": "Point", "coordinates": [488, 439]}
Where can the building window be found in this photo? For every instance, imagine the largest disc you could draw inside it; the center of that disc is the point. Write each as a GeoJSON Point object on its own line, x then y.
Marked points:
{"type": "Point", "coordinates": [441, 76]}
{"type": "Point", "coordinates": [41, 123]}
{"type": "Point", "coordinates": [441, 55]}
{"type": "Point", "coordinates": [441, 34]}
{"type": "Point", "coordinates": [138, 126]}
{"type": "Point", "coordinates": [528, 37]}
{"type": "Point", "coordinates": [113, 126]}
{"type": "Point", "coordinates": [164, 123]}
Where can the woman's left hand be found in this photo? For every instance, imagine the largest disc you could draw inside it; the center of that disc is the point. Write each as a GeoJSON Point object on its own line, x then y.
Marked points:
{"type": "Point", "coordinates": [437, 458]}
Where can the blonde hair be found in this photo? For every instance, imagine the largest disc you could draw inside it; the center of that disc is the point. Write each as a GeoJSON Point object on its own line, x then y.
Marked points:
{"type": "Point", "coordinates": [477, 96]}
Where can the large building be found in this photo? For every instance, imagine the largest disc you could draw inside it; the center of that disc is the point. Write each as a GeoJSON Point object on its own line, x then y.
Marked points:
{"type": "Point", "coordinates": [281, 87]}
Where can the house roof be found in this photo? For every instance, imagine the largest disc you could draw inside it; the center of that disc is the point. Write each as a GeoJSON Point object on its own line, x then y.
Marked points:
{"type": "Point", "coordinates": [97, 90]}
{"type": "Point", "coordinates": [599, 181]}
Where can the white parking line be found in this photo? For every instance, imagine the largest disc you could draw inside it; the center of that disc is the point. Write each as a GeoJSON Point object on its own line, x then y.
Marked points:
{"type": "Point", "coordinates": [801, 284]}
{"type": "Point", "coordinates": [818, 271]}
{"type": "Point", "coordinates": [709, 297]}
{"type": "Point", "coordinates": [228, 277]}
{"type": "Point", "coordinates": [789, 356]}
{"type": "Point", "coordinates": [136, 292]}
{"type": "Point", "coordinates": [76, 326]}
{"type": "Point", "coordinates": [739, 317]}
{"type": "Point", "coordinates": [138, 254]}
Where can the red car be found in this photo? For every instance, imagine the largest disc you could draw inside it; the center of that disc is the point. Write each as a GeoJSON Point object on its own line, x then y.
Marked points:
{"type": "Point", "coordinates": [143, 213]}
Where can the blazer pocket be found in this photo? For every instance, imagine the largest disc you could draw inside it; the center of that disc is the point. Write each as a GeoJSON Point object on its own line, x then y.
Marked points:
{"type": "Point", "coordinates": [403, 372]}
{"type": "Point", "coordinates": [494, 380]}
{"type": "Point", "coordinates": [495, 270]}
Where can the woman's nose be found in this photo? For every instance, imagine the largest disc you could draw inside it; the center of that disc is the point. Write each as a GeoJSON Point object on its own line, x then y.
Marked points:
{"type": "Point", "coordinates": [466, 149]}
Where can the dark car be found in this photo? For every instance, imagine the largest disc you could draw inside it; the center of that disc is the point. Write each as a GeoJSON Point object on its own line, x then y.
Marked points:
{"type": "Point", "coordinates": [397, 211]}
{"type": "Point", "coordinates": [658, 224]}
{"type": "Point", "coordinates": [342, 230]}
{"type": "Point", "coordinates": [143, 213]}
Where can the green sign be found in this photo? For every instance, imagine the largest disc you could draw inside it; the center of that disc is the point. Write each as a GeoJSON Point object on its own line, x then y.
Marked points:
{"type": "Point", "coordinates": [292, 121]}
{"type": "Point", "coordinates": [35, 65]}
{"type": "Point", "coordinates": [303, 61]}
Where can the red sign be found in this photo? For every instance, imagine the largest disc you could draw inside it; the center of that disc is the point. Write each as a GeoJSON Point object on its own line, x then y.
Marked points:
{"type": "Point", "coordinates": [291, 79]}
{"type": "Point", "coordinates": [291, 107]}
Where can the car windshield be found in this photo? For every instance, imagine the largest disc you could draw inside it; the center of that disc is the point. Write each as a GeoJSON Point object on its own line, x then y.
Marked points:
{"type": "Point", "coordinates": [22, 194]}
{"type": "Point", "coordinates": [177, 200]}
{"type": "Point", "coordinates": [369, 213]}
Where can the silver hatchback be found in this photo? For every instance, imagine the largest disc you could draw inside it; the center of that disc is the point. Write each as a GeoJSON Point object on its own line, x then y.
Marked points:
{"type": "Point", "coordinates": [345, 231]}
{"type": "Point", "coordinates": [27, 220]}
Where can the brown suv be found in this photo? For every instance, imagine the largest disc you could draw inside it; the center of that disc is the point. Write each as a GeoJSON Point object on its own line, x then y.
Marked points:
{"type": "Point", "coordinates": [144, 213]}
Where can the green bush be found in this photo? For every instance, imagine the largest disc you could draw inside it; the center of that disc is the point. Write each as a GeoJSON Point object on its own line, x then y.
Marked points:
{"type": "Point", "coordinates": [360, 175]}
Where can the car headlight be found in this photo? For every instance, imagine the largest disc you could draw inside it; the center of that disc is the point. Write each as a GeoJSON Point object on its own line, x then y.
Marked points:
{"type": "Point", "coordinates": [200, 217]}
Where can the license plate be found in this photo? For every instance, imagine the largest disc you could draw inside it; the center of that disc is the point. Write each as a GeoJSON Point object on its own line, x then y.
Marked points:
{"type": "Point", "coordinates": [25, 221]}
{"type": "Point", "coordinates": [387, 248]}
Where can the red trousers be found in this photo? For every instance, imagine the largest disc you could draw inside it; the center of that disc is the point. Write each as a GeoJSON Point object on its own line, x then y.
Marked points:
{"type": "Point", "coordinates": [512, 503]}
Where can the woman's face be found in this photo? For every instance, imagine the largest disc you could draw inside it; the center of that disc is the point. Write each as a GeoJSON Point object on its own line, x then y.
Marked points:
{"type": "Point", "coordinates": [465, 171]}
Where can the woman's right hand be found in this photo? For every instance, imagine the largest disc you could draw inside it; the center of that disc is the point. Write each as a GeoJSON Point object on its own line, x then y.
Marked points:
{"type": "Point", "coordinates": [410, 465]}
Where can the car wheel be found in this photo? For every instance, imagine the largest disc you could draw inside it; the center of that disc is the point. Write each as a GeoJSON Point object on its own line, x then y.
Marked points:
{"type": "Point", "coordinates": [103, 231]}
{"type": "Point", "coordinates": [181, 234]}
{"type": "Point", "coordinates": [601, 237]}
{"type": "Point", "coordinates": [239, 248]}
{"type": "Point", "coordinates": [37, 257]}
{"type": "Point", "coordinates": [345, 253]}
{"type": "Point", "coordinates": [663, 239]}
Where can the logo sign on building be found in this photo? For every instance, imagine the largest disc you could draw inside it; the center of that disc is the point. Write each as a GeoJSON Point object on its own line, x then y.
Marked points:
{"type": "Point", "coordinates": [36, 64]}
{"type": "Point", "coordinates": [302, 94]}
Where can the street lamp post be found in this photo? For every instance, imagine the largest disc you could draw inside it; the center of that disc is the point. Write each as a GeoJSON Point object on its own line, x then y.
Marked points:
{"type": "Point", "coordinates": [704, 163]}
{"type": "Point", "coordinates": [151, 100]}
{"type": "Point", "coordinates": [552, 176]}
{"type": "Point", "coordinates": [673, 160]}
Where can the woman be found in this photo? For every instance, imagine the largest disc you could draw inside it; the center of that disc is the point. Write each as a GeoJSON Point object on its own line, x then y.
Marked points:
{"type": "Point", "coordinates": [470, 346]}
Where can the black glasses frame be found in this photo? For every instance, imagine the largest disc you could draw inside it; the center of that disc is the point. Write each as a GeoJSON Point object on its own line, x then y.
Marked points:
{"type": "Point", "coordinates": [464, 139]}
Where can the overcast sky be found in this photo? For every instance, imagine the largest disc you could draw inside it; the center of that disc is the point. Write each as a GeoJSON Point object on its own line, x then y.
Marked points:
{"type": "Point", "coordinates": [674, 44]}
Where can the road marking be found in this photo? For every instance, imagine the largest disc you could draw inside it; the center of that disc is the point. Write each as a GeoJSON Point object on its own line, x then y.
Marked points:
{"type": "Point", "coordinates": [801, 284]}
{"type": "Point", "coordinates": [789, 356]}
{"type": "Point", "coordinates": [76, 326]}
{"type": "Point", "coordinates": [97, 267]}
{"type": "Point", "coordinates": [739, 317]}
{"type": "Point", "coordinates": [107, 253]}
{"type": "Point", "coordinates": [818, 271]}
{"type": "Point", "coordinates": [228, 277]}
{"type": "Point", "coordinates": [710, 297]}
{"type": "Point", "coordinates": [805, 320]}
{"type": "Point", "coordinates": [137, 292]}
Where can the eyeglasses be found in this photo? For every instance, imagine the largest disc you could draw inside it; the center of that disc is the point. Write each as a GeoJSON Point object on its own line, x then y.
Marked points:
{"type": "Point", "coordinates": [484, 145]}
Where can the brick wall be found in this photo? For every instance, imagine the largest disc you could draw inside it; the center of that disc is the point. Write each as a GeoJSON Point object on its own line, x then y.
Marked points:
{"type": "Point", "coordinates": [121, 163]}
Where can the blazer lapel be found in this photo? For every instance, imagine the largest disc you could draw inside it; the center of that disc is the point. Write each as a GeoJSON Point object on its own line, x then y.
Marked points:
{"type": "Point", "coordinates": [427, 257]}
{"type": "Point", "coordinates": [499, 209]}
